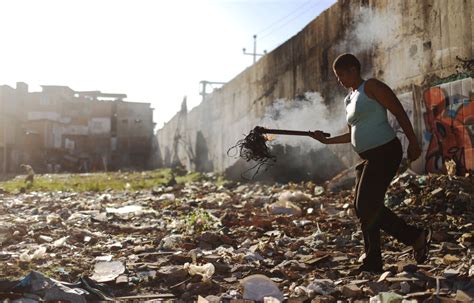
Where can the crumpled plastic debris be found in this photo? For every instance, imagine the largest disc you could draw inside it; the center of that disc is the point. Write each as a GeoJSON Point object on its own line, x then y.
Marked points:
{"type": "Point", "coordinates": [294, 196]}
{"type": "Point", "coordinates": [283, 207]}
{"type": "Point", "coordinates": [206, 270]}
{"type": "Point", "coordinates": [137, 209]}
{"type": "Point", "coordinates": [107, 271]}
{"type": "Point", "coordinates": [318, 190]}
{"type": "Point", "coordinates": [39, 253]}
{"type": "Point", "coordinates": [387, 297]}
{"type": "Point", "coordinates": [50, 289]}
{"type": "Point", "coordinates": [171, 242]}
{"type": "Point", "coordinates": [322, 286]}
{"type": "Point", "coordinates": [257, 287]}
{"type": "Point", "coordinates": [167, 197]}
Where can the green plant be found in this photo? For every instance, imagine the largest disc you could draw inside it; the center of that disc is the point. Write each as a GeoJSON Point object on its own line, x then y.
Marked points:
{"type": "Point", "coordinates": [199, 220]}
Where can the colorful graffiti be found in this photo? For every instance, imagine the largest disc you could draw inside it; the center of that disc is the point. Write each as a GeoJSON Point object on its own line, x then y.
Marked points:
{"type": "Point", "coordinates": [449, 126]}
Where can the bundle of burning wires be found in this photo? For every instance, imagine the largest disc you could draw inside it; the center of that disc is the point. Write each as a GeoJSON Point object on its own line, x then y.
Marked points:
{"type": "Point", "coordinates": [254, 148]}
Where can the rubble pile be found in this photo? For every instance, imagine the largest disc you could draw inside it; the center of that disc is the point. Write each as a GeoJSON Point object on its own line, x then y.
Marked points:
{"type": "Point", "coordinates": [232, 242]}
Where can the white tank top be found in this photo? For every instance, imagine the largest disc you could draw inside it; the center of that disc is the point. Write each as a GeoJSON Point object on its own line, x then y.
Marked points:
{"type": "Point", "coordinates": [368, 121]}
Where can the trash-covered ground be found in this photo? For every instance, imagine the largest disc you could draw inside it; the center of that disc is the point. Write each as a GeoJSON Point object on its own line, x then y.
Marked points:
{"type": "Point", "coordinates": [215, 241]}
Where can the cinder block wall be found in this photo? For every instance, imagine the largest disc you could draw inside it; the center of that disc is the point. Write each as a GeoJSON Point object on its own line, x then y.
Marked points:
{"type": "Point", "coordinates": [422, 44]}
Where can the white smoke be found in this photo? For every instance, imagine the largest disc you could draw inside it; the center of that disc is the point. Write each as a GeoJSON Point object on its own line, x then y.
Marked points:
{"type": "Point", "coordinates": [306, 114]}
{"type": "Point", "coordinates": [371, 28]}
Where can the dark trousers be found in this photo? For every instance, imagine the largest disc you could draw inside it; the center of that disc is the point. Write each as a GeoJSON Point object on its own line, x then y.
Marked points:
{"type": "Point", "coordinates": [373, 176]}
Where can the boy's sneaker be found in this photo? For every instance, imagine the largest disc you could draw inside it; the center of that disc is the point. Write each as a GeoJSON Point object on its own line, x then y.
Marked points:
{"type": "Point", "coordinates": [420, 253]}
{"type": "Point", "coordinates": [366, 267]}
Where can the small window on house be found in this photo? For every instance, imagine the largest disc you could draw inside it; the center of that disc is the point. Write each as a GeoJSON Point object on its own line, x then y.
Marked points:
{"type": "Point", "coordinates": [44, 100]}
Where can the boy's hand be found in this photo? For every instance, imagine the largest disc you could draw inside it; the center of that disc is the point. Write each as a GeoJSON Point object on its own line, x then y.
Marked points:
{"type": "Point", "coordinates": [319, 135]}
{"type": "Point", "coordinates": [413, 151]}
{"type": "Point", "coordinates": [259, 129]}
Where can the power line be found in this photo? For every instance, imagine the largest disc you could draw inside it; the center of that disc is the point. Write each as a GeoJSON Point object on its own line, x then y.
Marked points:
{"type": "Point", "coordinates": [273, 31]}
{"type": "Point", "coordinates": [289, 21]}
{"type": "Point", "coordinates": [283, 18]}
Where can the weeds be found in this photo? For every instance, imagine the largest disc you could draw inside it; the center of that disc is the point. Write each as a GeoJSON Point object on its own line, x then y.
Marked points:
{"type": "Point", "coordinates": [199, 220]}
{"type": "Point", "coordinates": [97, 182]}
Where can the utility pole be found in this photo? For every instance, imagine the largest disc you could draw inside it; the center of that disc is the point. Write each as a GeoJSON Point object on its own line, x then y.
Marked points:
{"type": "Point", "coordinates": [204, 83]}
{"type": "Point", "coordinates": [4, 118]}
{"type": "Point", "coordinates": [254, 54]}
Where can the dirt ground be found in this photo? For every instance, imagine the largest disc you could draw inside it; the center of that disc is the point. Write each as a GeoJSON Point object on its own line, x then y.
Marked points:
{"type": "Point", "coordinates": [212, 241]}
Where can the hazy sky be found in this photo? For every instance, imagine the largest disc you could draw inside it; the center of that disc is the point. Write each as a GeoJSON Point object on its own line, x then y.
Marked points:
{"type": "Point", "coordinates": [152, 50]}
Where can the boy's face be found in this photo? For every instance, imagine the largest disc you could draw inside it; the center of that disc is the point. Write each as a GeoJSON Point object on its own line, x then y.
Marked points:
{"type": "Point", "coordinates": [346, 77]}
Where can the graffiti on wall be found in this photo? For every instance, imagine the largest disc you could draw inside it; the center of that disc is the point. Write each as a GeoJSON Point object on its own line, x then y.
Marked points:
{"type": "Point", "coordinates": [447, 125]}
{"type": "Point", "coordinates": [448, 118]}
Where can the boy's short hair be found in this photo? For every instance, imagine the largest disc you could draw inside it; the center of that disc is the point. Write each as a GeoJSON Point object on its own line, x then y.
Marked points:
{"type": "Point", "coordinates": [346, 61]}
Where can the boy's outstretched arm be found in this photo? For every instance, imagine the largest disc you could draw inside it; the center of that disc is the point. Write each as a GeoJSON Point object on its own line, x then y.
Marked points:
{"type": "Point", "coordinates": [319, 135]}
{"type": "Point", "coordinates": [385, 96]}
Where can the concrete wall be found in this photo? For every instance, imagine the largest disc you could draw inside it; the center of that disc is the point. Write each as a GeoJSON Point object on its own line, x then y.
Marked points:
{"type": "Point", "coordinates": [407, 44]}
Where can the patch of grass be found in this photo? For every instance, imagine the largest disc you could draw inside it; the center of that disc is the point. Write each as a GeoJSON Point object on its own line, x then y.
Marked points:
{"type": "Point", "coordinates": [189, 177]}
{"type": "Point", "coordinates": [97, 182]}
{"type": "Point", "coordinates": [222, 181]}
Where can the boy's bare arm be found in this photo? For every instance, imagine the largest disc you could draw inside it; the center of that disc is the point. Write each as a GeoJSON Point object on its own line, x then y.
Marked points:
{"type": "Point", "coordinates": [385, 96]}
{"type": "Point", "coordinates": [319, 135]}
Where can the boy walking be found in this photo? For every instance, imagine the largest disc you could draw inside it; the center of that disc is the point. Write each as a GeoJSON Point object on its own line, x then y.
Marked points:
{"type": "Point", "coordinates": [372, 137]}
